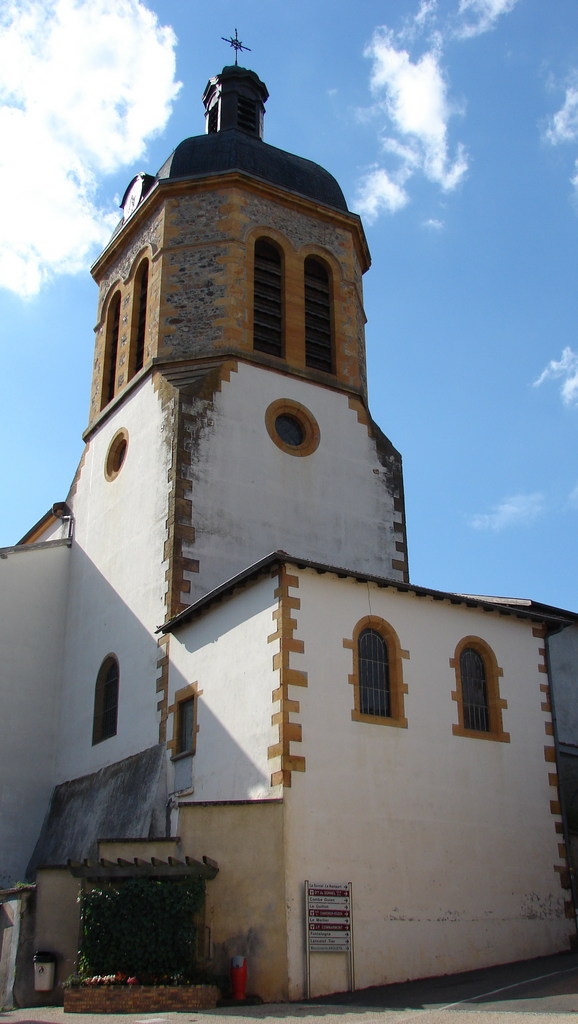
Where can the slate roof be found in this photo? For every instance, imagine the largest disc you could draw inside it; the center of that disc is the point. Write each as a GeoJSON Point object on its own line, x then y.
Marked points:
{"type": "Point", "coordinates": [234, 150]}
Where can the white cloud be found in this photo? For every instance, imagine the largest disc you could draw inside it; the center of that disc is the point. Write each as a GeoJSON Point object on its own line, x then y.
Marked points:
{"type": "Point", "coordinates": [427, 9]}
{"type": "Point", "coordinates": [413, 95]}
{"type": "Point", "coordinates": [417, 24]}
{"type": "Point", "coordinates": [481, 15]}
{"type": "Point", "coordinates": [564, 124]}
{"type": "Point", "coordinates": [378, 192]}
{"type": "Point", "coordinates": [75, 105]}
{"type": "Point", "coordinates": [566, 369]}
{"type": "Point", "coordinates": [519, 510]}
{"type": "Point", "coordinates": [433, 224]}
{"type": "Point", "coordinates": [573, 497]}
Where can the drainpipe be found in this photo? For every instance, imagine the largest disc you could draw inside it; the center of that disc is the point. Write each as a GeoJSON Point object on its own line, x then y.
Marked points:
{"type": "Point", "coordinates": [573, 882]}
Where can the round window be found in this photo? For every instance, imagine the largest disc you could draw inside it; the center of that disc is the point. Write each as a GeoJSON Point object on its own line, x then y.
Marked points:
{"type": "Point", "coordinates": [292, 427]}
{"type": "Point", "coordinates": [116, 454]}
{"type": "Point", "coordinates": [290, 430]}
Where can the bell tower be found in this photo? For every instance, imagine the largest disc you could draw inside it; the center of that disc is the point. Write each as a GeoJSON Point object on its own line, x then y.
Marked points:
{"type": "Point", "coordinates": [235, 99]}
{"type": "Point", "coordinates": [231, 299]}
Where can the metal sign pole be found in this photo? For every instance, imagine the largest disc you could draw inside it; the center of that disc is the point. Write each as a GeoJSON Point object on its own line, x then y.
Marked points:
{"type": "Point", "coordinates": [351, 951]}
{"type": "Point", "coordinates": [307, 939]}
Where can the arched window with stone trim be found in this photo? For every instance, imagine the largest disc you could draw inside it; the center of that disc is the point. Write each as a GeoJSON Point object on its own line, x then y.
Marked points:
{"type": "Point", "coordinates": [268, 328]}
{"type": "Point", "coordinates": [319, 353]}
{"type": "Point", "coordinates": [139, 316]}
{"type": "Point", "coordinates": [373, 661]}
{"type": "Point", "coordinates": [104, 722]}
{"type": "Point", "coordinates": [477, 692]}
{"type": "Point", "coordinates": [377, 676]}
{"type": "Point", "coordinates": [111, 350]}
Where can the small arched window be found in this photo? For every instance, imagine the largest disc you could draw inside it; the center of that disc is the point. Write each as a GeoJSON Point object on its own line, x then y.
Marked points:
{"type": "Point", "coordinates": [111, 350]}
{"type": "Point", "coordinates": [140, 314]}
{"type": "Point", "coordinates": [377, 675]}
{"type": "Point", "coordinates": [318, 325]}
{"type": "Point", "coordinates": [374, 694]}
{"type": "Point", "coordinates": [477, 692]}
{"type": "Point", "coordinates": [474, 690]}
{"type": "Point", "coordinates": [105, 717]}
{"type": "Point", "coordinates": [268, 299]}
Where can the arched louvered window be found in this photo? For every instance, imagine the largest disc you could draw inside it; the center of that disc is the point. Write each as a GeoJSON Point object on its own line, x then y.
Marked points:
{"type": "Point", "coordinates": [140, 312]}
{"type": "Point", "coordinates": [111, 350]}
{"type": "Point", "coordinates": [318, 326]}
{"type": "Point", "coordinates": [474, 691]}
{"type": "Point", "coordinates": [213, 119]}
{"type": "Point", "coordinates": [248, 115]}
{"type": "Point", "coordinates": [105, 701]}
{"type": "Point", "coordinates": [268, 299]}
{"type": "Point", "coordinates": [373, 664]}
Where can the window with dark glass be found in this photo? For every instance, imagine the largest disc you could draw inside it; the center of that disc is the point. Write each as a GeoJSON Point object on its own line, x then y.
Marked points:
{"type": "Point", "coordinates": [373, 667]}
{"type": "Point", "coordinates": [290, 430]}
{"type": "Point", "coordinates": [141, 295]}
{"type": "Point", "coordinates": [111, 350]}
{"type": "Point", "coordinates": [474, 691]}
{"type": "Point", "coordinates": [185, 726]}
{"type": "Point", "coordinates": [318, 328]}
{"type": "Point", "coordinates": [268, 299]}
{"type": "Point", "coordinates": [477, 693]}
{"type": "Point", "coordinates": [106, 701]}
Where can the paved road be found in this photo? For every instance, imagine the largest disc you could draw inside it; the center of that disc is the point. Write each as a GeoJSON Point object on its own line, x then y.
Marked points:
{"type": "Point", "coordinates": [543, 991]}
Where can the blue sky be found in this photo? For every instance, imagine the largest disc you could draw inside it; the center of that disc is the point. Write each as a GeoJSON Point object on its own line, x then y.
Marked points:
{"type": "Point", "coordinates": [452, 127]}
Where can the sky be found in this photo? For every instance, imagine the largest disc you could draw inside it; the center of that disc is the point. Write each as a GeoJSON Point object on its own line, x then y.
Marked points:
{"type": "Point", "coordinates": [452, 128]}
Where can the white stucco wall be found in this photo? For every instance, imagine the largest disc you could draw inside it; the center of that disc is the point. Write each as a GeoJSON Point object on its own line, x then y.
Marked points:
{"type": "Point", "coordinates": [250, 498]}
{"type": "Point", "coordinates": [117, 587]}
{"type": "Point", "coordinates": [449, 841]}
{"type": "Point", "coordinates": [33, 593]}
{"type": "Point", "coordinates": [226, 654]}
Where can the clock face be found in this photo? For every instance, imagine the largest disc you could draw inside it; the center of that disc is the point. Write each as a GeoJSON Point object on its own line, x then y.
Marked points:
{"type": "Point", "coordinates": [133, 197]}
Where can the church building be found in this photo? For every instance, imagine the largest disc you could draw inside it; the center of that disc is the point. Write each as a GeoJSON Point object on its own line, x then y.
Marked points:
{"type": "Point", "coordinates": [215, 660]}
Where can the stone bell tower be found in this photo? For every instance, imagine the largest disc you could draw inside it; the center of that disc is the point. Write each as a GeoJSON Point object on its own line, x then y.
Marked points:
{"type": "Point", "coordinates": [231, 301]}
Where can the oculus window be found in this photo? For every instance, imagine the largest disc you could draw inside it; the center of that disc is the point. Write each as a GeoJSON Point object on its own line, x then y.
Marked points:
{"type": "Point", "coordinates": [292, 427]}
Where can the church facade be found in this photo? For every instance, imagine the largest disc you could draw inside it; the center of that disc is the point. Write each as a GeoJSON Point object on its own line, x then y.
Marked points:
{"type": "Point", "coordinates": [214, 649]}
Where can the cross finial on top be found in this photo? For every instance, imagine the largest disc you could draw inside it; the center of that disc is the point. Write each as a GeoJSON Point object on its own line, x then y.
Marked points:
{"type": "Point", "coordinates": [236, 44]}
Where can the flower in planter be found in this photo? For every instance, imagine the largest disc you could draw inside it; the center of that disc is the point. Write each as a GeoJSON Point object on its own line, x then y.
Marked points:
{"type": "Point", "coordinates": [132, 981]}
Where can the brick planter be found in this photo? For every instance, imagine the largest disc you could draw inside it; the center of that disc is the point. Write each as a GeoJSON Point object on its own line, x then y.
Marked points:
{"type": "Point", "coordinates": [139, 998]}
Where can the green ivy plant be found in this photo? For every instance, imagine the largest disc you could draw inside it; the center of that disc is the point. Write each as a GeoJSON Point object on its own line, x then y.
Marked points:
{"type": "Point", "coordinates": [144, 929]}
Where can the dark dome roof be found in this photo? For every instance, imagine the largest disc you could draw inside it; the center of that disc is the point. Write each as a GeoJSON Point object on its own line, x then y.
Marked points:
{"type": "Point", "coordinates": [235, 150]}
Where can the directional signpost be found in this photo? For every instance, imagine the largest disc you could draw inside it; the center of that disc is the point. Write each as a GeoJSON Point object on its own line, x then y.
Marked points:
{"type": "Point", "coordinates": [328, 922]}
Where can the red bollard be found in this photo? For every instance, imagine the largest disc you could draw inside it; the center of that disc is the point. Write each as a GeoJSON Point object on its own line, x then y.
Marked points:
{"type": "Point", "coordinates": [239, 976]}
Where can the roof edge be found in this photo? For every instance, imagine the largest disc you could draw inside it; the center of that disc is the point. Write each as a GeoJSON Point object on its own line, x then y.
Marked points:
{"type": "Point", "coordinates": [524, 609]}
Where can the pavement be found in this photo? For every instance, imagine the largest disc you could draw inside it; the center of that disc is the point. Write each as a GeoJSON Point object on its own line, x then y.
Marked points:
{"type": "Point", "coordinates": [542, 991]}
